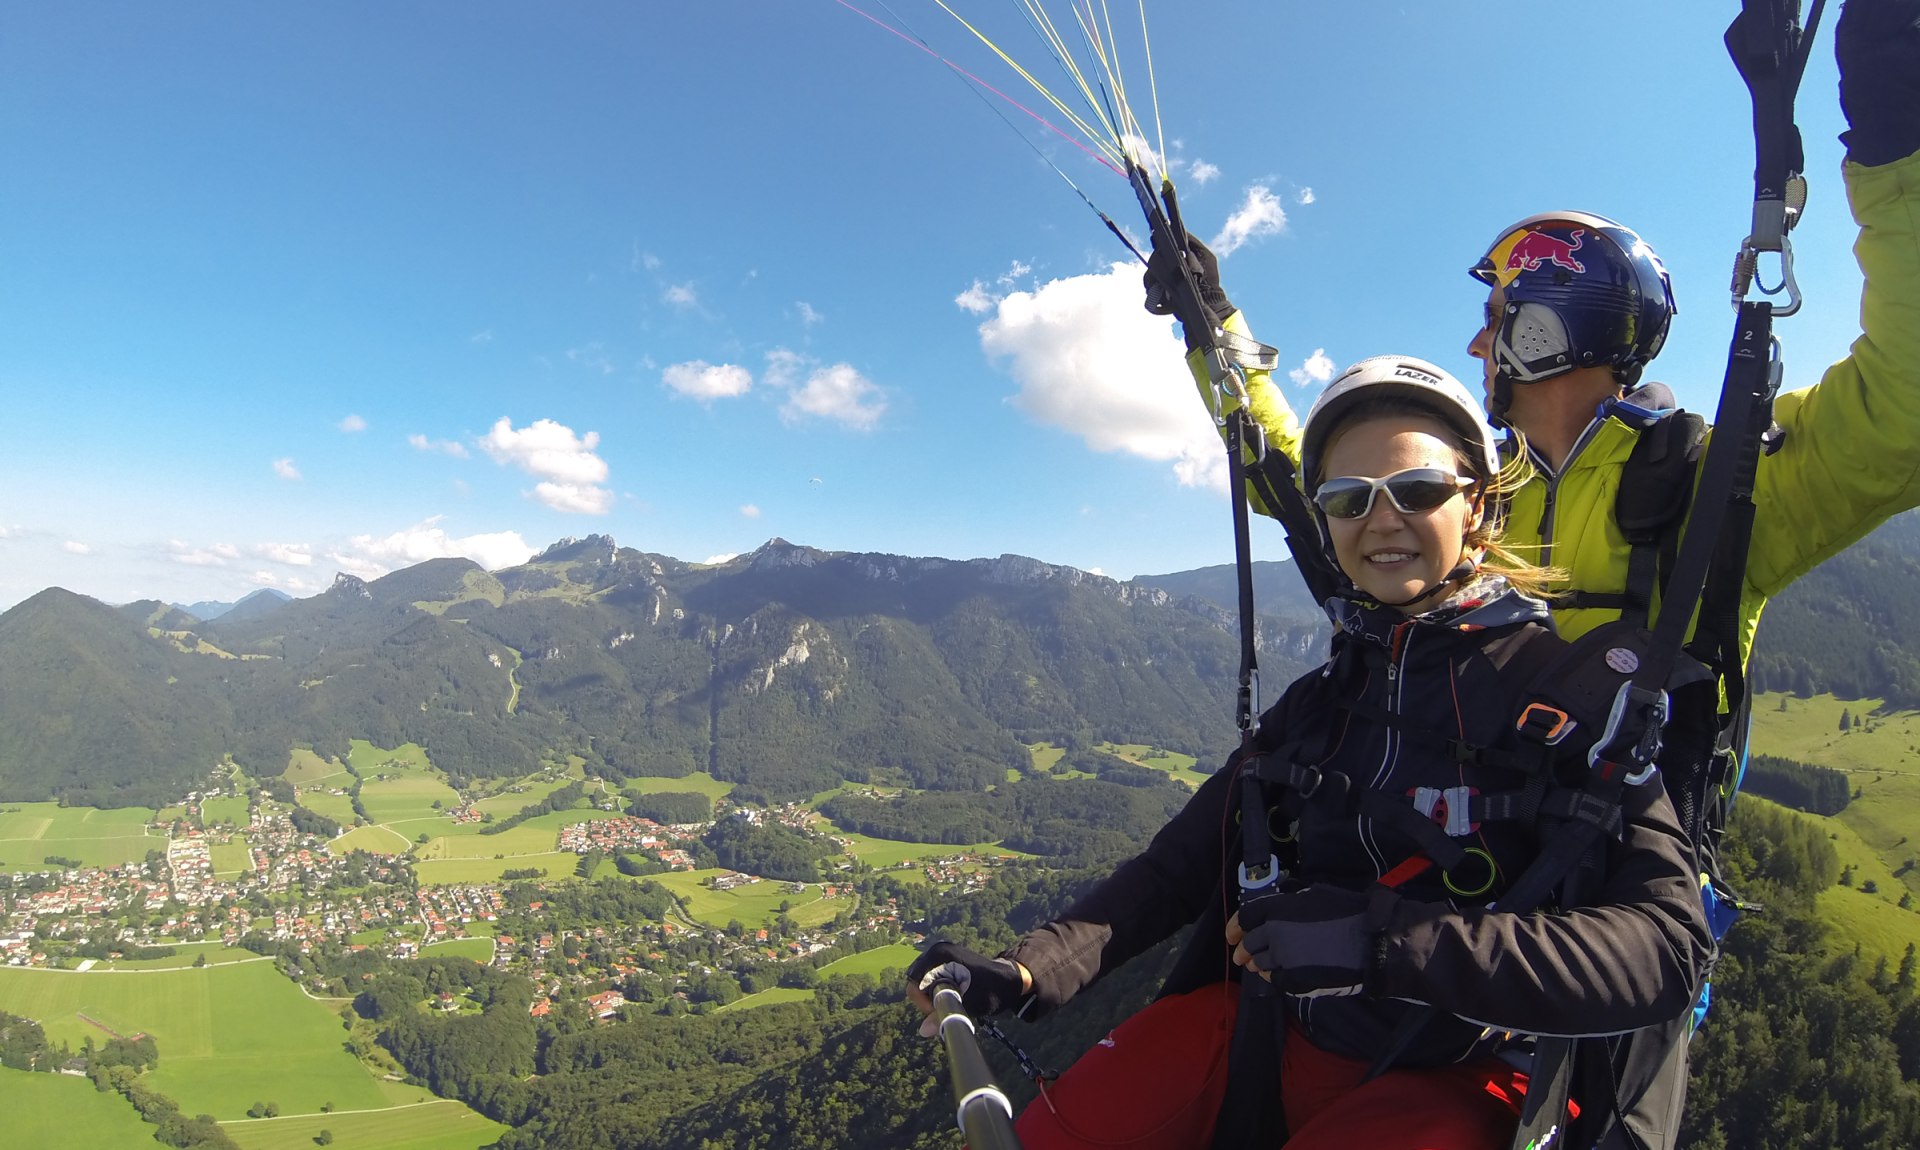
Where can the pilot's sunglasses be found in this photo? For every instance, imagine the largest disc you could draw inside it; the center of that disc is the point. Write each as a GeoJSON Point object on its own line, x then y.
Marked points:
{"type": "Point", "coordinates": [1413, 491]}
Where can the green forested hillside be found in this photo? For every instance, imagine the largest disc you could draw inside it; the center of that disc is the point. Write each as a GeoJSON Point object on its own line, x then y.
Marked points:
{"type": "Point", "coordinates": [785, 672]}
{"type": "Point", "coordinates": [1847, 628]}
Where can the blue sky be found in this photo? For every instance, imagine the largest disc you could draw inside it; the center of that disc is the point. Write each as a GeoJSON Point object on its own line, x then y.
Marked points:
{"type": "Point", "coordinates": [285, 292]}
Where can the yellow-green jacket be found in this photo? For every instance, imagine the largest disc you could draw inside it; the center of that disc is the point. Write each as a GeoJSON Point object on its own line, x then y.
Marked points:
{"type": "Point", "coordinates": [1851, 457]}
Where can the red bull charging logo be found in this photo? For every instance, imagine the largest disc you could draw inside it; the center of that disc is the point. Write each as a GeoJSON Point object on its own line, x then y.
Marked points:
{"type": "Point", "coordinates": [1531, 249]}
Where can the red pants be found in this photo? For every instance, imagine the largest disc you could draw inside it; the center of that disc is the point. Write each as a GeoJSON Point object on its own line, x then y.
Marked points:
{"type": "Point", "coordinates": [1156, 1083]}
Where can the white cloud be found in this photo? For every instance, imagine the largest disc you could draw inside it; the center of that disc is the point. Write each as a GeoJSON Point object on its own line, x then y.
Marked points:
{"type": "Point", "coordinates": [784, 367]}
{"type": "Point", "coordinates": [1316, 368]}
{"type": "Point", "coordinates": [579, 498]}
{"type": "Point", "coordinates": [285, 469]}
{"type": "Point", "coordinates": [1306, 196]}
{"type": "Point", "coordinates": [75, 547]}
{"type": "Point", "coordinates": [808, 315]}
{"type": "Point", "coordinates": [716, 560]}
{"type": "Point", "coordinates": [838, 393]}
{"type": "Point", "coordinates": [646, 260]}
{"type": "Point", "coordinates": [681, 295]}
{"type": "Point", "coordinates": [980, 299]}
{"type": "Point", "coordinates": [707, 381]}
{"type": "Point", "coordinates": [353, 423]}
{"type": "Point", "coordinates": [1204, 173]}
{"type": "Point", "coordinates": [444, 446]}
{"type": "Point", "coordinates": [370, 557]}
{"type": "Point", "coordinates": [566, 463]}
{"type": "Point", "coordinates": [483, 336]}
{"type": "Point", "coordinates": [1087, 359]}
{"type": "Point", "coordinates": [225, 550]}
{"type": "Point", "coordinates": [291, 554]}
{"type": "Point", "coordinates": [750, 511]}
{"type": "Point", "coordinates": [1259, 214]}
{"type": "Point", "coordinates": [976, 299]}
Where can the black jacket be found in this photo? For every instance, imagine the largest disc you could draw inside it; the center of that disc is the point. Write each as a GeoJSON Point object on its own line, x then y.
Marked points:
{"type": "Point", "coordinates": [1390, 711]}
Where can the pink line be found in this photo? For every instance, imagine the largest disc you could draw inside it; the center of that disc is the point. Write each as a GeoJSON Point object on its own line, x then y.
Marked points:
{"type": "Point", "coordinates": [1042, 120]}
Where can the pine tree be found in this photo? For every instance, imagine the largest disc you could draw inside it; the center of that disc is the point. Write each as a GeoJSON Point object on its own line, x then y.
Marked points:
{"type": "Point", "coordinates": [1846, 719]}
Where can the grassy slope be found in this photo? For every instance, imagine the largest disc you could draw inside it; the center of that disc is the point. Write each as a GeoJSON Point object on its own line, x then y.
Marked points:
{"type": "Point", "coordinates": [1880, 829]}
{"type": "Point", "coordinates": [229, 1035]}
{"type": "Point", "coordinates": [438, 1125]}
{"type": "Point", "coordinates": [61, 1112]}
{"type": "Point", "coordinates": [29, 832]}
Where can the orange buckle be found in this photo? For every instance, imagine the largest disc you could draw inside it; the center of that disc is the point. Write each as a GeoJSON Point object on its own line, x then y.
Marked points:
{"type": "Point", "coordinates": [1547, 723]}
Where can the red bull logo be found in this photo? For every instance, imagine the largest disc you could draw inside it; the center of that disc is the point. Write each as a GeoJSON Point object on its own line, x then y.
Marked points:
{"type": "Point", "coordinates": [1531, 249]}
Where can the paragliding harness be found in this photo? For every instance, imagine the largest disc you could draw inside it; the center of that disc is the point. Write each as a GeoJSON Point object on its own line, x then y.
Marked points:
{"type": "Point", "coordinates": [1630, 1088]}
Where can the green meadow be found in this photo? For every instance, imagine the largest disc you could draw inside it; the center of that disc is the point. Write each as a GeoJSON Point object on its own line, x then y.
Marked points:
{"type": "Point", "coordinates": [755, 905]}
{"type": "Point", "coordinates": [380, 840]}
{"type": "Point", "coordinates": [438, 1125]}
{"type": "Point", "coordinates": [229, 1035]}
{"type": "Point", "coordinates": [339, 808]}
{"type": "Point", "coordinates": [447, 872]}
{"type": "Point", "coordinates": [895, 956]}
{"type": "Point", "coordinates": [230, 809]}
{"type": "Point", "coordinates": [232, 858]}
{"type": "Point", "coordinates": [29, 832]}
{"type": "Point", "coordinates": [1045, 755]}
{"type": "Point", "coordinates": [1878, 834]}
{"type": "Point", "coordinates": [184, 956]}
{"type": "Point", "coordinates": [478, 949]}
{"type": "Point", "coordinates": [884, 853]}
{"type": "Point", "coordinates": [305, 768]}
{"type": "Point", "coordinates": [62, 1112]}
{"type": "Point", "coordinates": [1178, 765]}
{"type": "Point", "coordinates": [772, 996]}
{"type": "Point", "coordinates": [508, 803]}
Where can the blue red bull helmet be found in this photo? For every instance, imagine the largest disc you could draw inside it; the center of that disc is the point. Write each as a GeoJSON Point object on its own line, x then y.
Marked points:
{"type": "Point", "coordinates": [1581, 291]}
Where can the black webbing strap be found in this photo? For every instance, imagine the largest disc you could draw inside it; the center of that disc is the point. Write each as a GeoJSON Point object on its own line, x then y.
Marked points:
{"type": "Point", "coordinates": [1276, 480]}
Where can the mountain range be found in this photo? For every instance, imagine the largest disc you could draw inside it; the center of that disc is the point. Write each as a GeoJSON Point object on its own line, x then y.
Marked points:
{"type": "Point", "coordinates": [788, 669]}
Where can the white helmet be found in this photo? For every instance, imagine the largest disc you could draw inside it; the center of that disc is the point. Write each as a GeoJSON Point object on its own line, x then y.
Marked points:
{"type": "Point", "coordinates": [1405, 378]}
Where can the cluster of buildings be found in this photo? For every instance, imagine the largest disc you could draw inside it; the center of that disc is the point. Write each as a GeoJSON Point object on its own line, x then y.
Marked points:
{"type": "Point", "coordinates": [629, 834]}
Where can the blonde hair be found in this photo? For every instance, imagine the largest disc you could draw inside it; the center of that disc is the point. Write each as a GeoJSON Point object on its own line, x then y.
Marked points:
{"type": "Point", "coordinates": [1489, 537]}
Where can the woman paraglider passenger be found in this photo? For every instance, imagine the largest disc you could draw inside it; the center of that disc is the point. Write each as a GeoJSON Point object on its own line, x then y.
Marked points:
{"type": "Point", "coordinates": [1403, 792]}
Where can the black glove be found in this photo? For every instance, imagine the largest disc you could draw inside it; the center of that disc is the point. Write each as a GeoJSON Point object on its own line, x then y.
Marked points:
{"type": "Point", "coordinates": [1877, 44]}
{"type": "Point", "coordinates": [1167, 292]}
{"type": "Point", "coordinates": [987, 985]}
{"type": "Point", "coordinates": [1316, 940]}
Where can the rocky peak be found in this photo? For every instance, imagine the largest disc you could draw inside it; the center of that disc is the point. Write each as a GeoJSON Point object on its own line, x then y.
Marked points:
{"type": "Point", "coordinates": [592, 549]}
{"type": "Point", "coordinates": [350, 586]}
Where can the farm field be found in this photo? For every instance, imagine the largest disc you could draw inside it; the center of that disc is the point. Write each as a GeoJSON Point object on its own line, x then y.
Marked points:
{"type": "Point", "coordinates": [445, 872]}
{"type": "Point", "coordinates": [883, 853]}
{"type": "Point", "coordinates": [339, 808]}
{"type": "Point", "coordinates": [305, 768]}
{"type": "Point", "coordinates": [508, 803]}
{"type": "Point", "coordinates": [1045, 755]}
{"type": "Point", "coordinates": [1180, 766]}
{"type": "Point", "coordinates": [880, 958]}
{"type": "Point", "coordinates": [231, 809]}
{"type": "Point", "coordinates": [229, 1035]}
{"type": "Point", "coordinates": [756, 904]}
{"type": "Point", "coordinates": [378, 840]}
{"type": "Point", "coordinates": [61, 1112]}
{"type": "Point", "coordinates": [29, 832]}
{"type": "Point", "coordinates": [216, 953]}
{"type": "Point", "coordinates": [521, 840]}
{"type": "Point", "coordinates": [478, 949]}
{"type": "Point", "coordinates": [771, 997]}
{"type": "Point", "coordinates": [437, 1125]}
{"type": "Point", "coordinates": [231, 858]}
